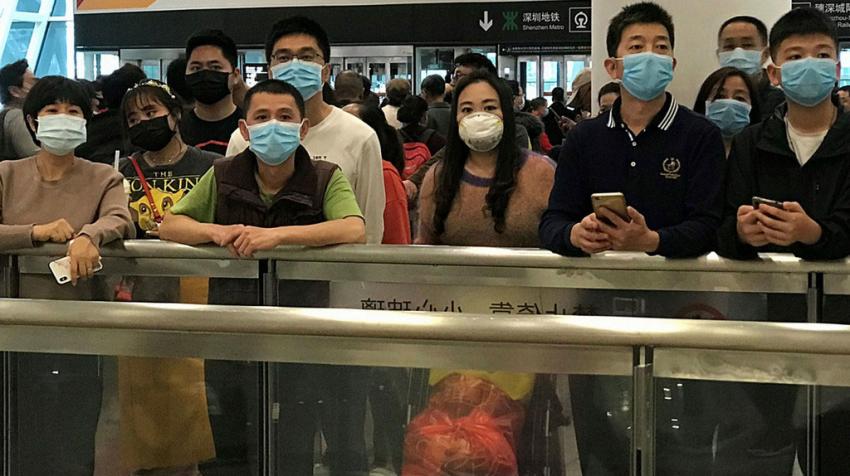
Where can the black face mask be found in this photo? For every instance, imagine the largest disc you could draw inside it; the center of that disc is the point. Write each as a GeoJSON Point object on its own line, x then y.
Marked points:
{"type": "Point", "coordinates": [207, 86]}
{"type": "Point", "coordinates": [151, 135]}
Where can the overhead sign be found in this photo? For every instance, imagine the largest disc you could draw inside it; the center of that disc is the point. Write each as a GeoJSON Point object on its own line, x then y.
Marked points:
{"type": "Point", "coordinates": [517, 50]}
{"type": "Point", "coordinates": [838, 11]}
{"type": "Point", "coordinates": [473, 24]}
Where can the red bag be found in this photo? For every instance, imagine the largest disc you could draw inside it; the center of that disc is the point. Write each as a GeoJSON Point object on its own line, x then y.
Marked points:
{"type": "Point", "coordinates": [416, 153]}
{"type": "Point", "coordinates": [459, 395]}
{"type": "Point", "coordinates": [437, 445]}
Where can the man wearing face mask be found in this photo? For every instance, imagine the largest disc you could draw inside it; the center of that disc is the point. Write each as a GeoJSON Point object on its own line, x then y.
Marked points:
{"type": "Point", "coordinates": [298, 51]}
{"type": "Point", "coordinates": [665, 159]}
{"type": "Point", "coordinates": [16, 79]}
{"type": "Point", "coordinates": [800, 158]}
{"type": "Point", "coordinates": [269, 195]}
{"type": "Point", "coordinates": [211, 69]}
{"type": "Point", "coordinates": [742, 44]}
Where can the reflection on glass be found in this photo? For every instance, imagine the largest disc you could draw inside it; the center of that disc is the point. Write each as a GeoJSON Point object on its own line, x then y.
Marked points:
{"type": "Point", "coordinates": [378, 74]}
{"type": "Point", "coordinates": [17, 42]}
{"type": "Point", "coordinates": [530, 86]}
{"type": "Point", "coordinates": [29, 6]}
{"type": "Point", "coordinates": [59, 8]}
{"type": "Point", "coordinates": [551, 75]}
{"type": "Point", "coordinates": [53, 59]}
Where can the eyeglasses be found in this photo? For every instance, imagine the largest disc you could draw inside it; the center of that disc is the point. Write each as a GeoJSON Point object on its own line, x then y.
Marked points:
{"type": "Point", "coordinates": [306, 56]}
{"type": "Point", "coordinates": [156, 84]}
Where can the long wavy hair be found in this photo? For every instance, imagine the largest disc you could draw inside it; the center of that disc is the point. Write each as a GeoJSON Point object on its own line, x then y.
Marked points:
{"type": "Point", "coordinates": [507, 164]}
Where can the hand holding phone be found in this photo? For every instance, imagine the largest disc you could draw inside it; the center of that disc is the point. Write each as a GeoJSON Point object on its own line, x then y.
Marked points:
{"type": "Point", "coordinates": [766, 201]}
{"type": "Point", "coordinates": [616, 202]}
{"type": "Point", "coordinates": [61, 269]}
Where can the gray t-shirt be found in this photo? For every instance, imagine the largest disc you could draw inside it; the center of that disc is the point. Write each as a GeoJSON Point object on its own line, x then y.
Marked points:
{"type": "Point", "coordinates": [17, 142]}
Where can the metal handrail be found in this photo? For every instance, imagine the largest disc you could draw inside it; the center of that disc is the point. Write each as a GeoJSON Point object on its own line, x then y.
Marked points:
{"type": "Point", "coordinates": [461, 256]}
{"type": "Point", "coordinates": [826, 339]}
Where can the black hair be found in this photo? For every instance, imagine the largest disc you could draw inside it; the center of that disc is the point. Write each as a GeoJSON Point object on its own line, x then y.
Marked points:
{"type": "Point", "coordinates": [298, 26]}
{"type": "Point", "coordinates": [116, 84]}
{"type": "Point", "coordinates": [476, 61]}
{"type": "Point", "coordinates": [434, 85]}
{"type": "Point", "coordinates": [536, 103]}
{"type": "Point", "coordinates": [452, 167]}
{"type": "Point", "coordinates": [12, 75]}
{"type": "Point", "coordinates": [55, 90]}
{"type": "Point", "coordinates": [147, 92]}
{"type": "Point", "coordinates": [760, 26]}
{"type": "Point", "coordinates": [397, 91]}
{"type": "Point", "coordinates": [609, 88]}
{"type": "Point", "coordinates": [275, 86]}
{"type": "Point", "coordinates": [844, 88]}
{"type": "Point", "coordinates": [637, 13]}
{"type": "Point", "coordinates": [801, 21]}
{"type": "Point", "coordinates": [176, 78]}
{"type": "Point", "coordinates": [214, 38]}
{"type": "Point", "coordinates": [558, 94]}
{"type": "Point", "coordinates": [513, 86]}
{"type": "Point", "coordinates": [392, 149]}
{"type": "Point", "coordinates": [412, 110]}
{"type": "Point", "coordinates": [90, 87]}
{"type": "Point", "coordinates": [710, 87]}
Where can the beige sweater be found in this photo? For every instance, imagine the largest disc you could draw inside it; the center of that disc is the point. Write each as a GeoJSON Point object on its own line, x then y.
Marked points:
{"type": "Point", "coordinates": [470, 224]}
{"type": "Point", "coordinates": [90, 197]}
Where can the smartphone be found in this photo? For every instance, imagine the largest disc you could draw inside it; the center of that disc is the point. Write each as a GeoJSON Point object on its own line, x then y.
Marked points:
{"type": "Point", "coordinates": [61, 269]}
{"type": "Point", "coordinates": [615, 202]}
{"type": "Point", "coordinates": [764, 201]}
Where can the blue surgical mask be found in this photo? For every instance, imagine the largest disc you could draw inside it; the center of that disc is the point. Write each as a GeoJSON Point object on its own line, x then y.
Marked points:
{"type": "Point", "coordinates": [647, 75]}
{"type": "Point", "coordinates": [60, 134]}
{"type": "Point", "coordinates": [306, 76]}
{"type": "Point", "coordinates": [273, 141]}
{"type": "Point", "coordinates": [808, 81]}
{"type": "Point", "coordinates": [748, 61]}
{"type": "Point", "coordinates": [730, 115]}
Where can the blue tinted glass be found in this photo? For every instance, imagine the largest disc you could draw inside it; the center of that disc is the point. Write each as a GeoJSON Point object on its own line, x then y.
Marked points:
{"type": "Point", "coordinates": [31, 6]}
{"type": "Point", "coordinates": [18, 41]}
{"type": "Point", "coordinates": [54, 51]}
{"type": "Point", "coordinates": [59, 8]}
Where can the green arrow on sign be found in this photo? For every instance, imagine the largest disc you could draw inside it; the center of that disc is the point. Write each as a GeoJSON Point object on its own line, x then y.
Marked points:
{"type": "Point", "coordinates": [510, 21]}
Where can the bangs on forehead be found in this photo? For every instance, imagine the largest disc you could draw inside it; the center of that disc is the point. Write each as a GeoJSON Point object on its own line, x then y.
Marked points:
{"type": "Point", "coordinates": [143, 96]}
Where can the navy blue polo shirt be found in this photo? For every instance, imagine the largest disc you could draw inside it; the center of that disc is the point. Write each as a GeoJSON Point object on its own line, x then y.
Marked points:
{"type": "Point", "coordinates": [672, 173]}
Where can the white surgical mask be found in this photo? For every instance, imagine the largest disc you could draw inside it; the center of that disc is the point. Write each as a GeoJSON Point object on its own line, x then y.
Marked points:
{"type": "Point", "coordinates": [60, 134]}
{"type": "Point", "coordinates": [481, 131]}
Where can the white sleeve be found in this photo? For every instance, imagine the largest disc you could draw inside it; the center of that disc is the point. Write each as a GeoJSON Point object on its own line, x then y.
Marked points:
{"type": "Point", "coordinates": [369, 189]}
{"type": "Point", "coordinates": [237, 144]}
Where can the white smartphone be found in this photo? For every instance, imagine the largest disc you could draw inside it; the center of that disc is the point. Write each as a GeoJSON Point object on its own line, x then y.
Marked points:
{"type": "Point", "coordinates": [61, 269]}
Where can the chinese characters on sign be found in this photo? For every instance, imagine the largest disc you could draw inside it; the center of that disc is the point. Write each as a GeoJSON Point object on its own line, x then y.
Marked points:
{"type": "Point", "coordinates": [499, 307]}
{"type": "Point", "coordinates": [537, 21]}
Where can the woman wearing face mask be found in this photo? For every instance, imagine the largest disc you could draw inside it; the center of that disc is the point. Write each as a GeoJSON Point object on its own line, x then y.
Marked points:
{"type": "Point", "coordinates": [57, 197]}
{"type": "Point", "coordinates": [172, 407]}
{"type": "Point", "coordinates": [729, 98]}
{"type": "Point", "coordinates": [486, 192]}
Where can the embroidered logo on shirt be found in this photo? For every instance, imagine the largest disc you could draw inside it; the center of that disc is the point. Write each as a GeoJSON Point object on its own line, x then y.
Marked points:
{"type": "Point", "coordinates": [671, 166]}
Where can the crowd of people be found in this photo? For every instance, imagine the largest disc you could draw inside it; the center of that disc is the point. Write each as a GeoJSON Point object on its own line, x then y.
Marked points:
{"type": "Point", "coordinates": [204, 159]}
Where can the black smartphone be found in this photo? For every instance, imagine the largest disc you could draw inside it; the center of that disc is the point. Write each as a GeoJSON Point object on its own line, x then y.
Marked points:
{"type": "Point", "coordinates": [766, 201]}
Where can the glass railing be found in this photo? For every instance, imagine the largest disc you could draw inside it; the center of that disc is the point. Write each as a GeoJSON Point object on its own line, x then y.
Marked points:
{"type": "Point", "coordinates": [423, 361]}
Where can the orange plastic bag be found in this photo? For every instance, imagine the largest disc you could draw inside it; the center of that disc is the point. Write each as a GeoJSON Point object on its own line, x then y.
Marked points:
{"type": "Point", "coordinates": [474, 445]}
{"type": "Point", "coordinates": [458, 395]}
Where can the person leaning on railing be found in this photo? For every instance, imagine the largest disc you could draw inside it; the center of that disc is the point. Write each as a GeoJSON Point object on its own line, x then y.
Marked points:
{"type": "Point", "coordinates": [57, 197]}
{"type": "Point", "coordinates": [798, 159]}
{"type": "Point", "coordinates": [485, 192]}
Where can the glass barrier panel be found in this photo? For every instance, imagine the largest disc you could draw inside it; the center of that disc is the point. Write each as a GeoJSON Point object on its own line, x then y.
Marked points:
{"type": "Point", "coordinates": [141, 414]}
{"type": "Point", "coordinates": [831, 404]}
